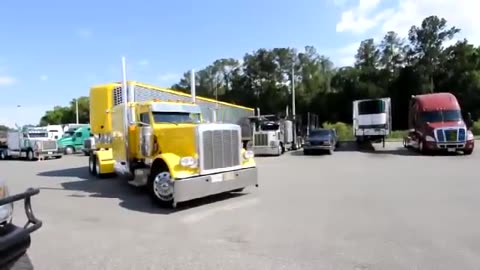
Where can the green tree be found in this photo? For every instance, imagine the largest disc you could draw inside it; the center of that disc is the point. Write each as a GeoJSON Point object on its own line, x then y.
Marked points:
{"type": "Point", "coordinates": [67, 114]}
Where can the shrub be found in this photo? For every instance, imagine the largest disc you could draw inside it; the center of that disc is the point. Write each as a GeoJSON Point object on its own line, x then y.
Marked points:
{"type": "Point", "coordinates": [476, 128]}
{"type": "Point", "coordinates": [344, 131]}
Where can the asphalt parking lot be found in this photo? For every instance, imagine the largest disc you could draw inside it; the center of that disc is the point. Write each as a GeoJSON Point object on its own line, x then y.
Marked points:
{"type": "Point", "coordinates": [388, 209]}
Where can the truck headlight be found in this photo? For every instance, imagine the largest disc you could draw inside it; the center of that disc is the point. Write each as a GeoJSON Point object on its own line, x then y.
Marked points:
{"type": "Point", "coordinates": [248, 154]}
{"type": "Point", "coordinates": [6, 210]}
{"type": "Point", "coordinates": [188, 162]}
{"type": "Point", "coordinates": [429, 138]}
{"type": "Point", "coordinates": [470, 136]}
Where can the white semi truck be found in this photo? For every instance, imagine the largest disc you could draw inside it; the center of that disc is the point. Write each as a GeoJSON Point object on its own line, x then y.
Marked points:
{"type": "Point", "coordinates": [30, 143]}
{"type": "Point", "coordinates": [271, 135]}
{"type": "Point", "coordinates": [372, 120]}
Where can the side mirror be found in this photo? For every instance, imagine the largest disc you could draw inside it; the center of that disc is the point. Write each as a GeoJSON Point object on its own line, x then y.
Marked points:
{"type": "Point", "coordinates": [469, 121]}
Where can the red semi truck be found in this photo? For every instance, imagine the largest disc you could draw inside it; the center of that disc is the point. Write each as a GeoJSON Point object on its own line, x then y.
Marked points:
{"type": "Point", "coordinates": [436, 124]}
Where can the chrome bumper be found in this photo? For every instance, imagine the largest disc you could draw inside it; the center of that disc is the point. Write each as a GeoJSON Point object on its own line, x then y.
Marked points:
{"type": "Point", "coordinates": [206, 185]}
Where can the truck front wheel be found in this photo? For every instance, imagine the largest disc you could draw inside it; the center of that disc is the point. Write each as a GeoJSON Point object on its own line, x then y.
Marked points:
{"type": "Point", "coordinates": [30, 155]}
{"type": "Point", "coordinates": [69, 150]}
{"type": "Point", "coordinates": [160, 186]}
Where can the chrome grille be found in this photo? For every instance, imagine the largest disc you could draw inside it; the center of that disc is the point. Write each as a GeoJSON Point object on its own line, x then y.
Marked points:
{"type": "Point", "coordinates": [49, 145]}
{"type": "Point", "coordinates": [221, 148]}
{"type": "Point", "coordinates": [451, 134]}
{"type": "Point", "coordinates": [261, 139]}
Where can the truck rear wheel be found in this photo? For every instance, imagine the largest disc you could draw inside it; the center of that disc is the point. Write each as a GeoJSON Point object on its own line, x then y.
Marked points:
{"type": "Point", "coordinates": [160, 187]}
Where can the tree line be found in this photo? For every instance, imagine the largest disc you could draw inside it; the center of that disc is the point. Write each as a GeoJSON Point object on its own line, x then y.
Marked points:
{"type": "Point", "coordinates": [396, 66]}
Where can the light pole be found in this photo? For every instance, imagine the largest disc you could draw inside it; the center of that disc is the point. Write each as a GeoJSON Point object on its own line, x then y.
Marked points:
{"type": "Point", "coordinates": [76, 109]}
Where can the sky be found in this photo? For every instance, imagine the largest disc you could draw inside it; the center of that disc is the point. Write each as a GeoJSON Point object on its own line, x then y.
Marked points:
{"type": "Point", "coordinates": [54, 51]}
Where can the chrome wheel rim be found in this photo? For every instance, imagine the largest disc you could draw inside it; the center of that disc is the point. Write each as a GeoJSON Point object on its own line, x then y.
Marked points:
{"type": "Point", "coordinates": [163, 186]}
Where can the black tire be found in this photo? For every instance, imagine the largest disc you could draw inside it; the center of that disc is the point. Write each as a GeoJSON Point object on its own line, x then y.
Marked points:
{"type": "Point", "coordinates": [30, 155]}
{"type": "Point", "coordinates": [21, 263]}
{"type": "Point", "coordinates": [306, 152]}
{"type": "Point", "coordinates": [154, 191]}
{"type": "Point", "coordinates": [421, 148]}
{"type": "Point", "coordinates": [92, 164]}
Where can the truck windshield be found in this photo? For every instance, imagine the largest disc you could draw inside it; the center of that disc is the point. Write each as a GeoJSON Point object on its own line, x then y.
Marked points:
{"type": "Point", "coordinates": [176, 117]}
{"type": "Point", "coordinates": [319, 132]}
{"type": "Point", "coordinates": [269, 126]}
{"type": "Point", "coordinates": [68, 134]}
{"type": "Point", "coordinates": [442, 116]}
{"type": "Point", "coordinates": [37, 135]}
{"type": "Point", "coordinates": [371, 106]}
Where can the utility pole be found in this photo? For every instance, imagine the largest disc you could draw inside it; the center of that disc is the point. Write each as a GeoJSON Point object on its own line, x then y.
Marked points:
{"type": "Point", "coordinates": [76, 108]}
{"type": "Point", "coordinates": [293, 109]}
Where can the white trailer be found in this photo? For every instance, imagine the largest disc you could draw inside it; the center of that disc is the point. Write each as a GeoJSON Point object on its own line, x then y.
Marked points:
{"type": "Point", "coordinates": [372, 120]}
{"type": "Point", "coordinates": [30, 143]}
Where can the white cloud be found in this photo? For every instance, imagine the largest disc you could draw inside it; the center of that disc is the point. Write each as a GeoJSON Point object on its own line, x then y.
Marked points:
{"type": "Point", "coordinates": [7, 81]}
{"type": "Point", "coordinates": [362, 18]}
{"type": "Point", "coordinates": [347, 55]}
{"type": "Point", "coordinates": [23, 115]}
{"type": "Point", "coordinates": [366, 20]}
{"type": "Point", "coordinates": [84, 33]}
{"type": "Point", "coordinates": [44, 78]}
{"type": "Point", "coordinates": [143, 62]}
{"type": "Point", "coordinates": [460, 13]}
{"type": "Point", "coordinates": [366, 16]}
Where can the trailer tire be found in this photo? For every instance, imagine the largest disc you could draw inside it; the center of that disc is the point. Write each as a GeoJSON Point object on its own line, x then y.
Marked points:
{"type": "Point", "coordinates": [160, 186]}
{"type": "Point", "coordinates": [92, 164]}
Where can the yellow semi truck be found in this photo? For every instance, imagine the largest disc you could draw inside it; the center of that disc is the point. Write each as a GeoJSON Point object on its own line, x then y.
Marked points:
{"type": "Point", "coordinates": [165, 145]}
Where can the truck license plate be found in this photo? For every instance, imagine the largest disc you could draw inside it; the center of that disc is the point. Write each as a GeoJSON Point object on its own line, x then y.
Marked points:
{"type": "Point", "coordinates": [451, 149]}
{"type": "Point", "coordinates": [50, 153]}
{"type": "Point", "coordinates": [229, 176]}
{"type": "Point", "coordinates": [216, 178]}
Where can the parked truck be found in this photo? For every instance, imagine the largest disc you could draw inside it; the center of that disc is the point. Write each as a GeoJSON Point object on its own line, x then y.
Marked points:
{"type": "Point", "coordinates": [73, 140]}
{"type": "Point", "coordinates": [436, 124]}
{"type": "Point", "coordinates": [31, 143]}
{"type": "Point", "coordinates": [271, 135]}
{"type": "Point", "coordinates": [372, 120]}
{"type": "Point", "coordinates": [166, 145]}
